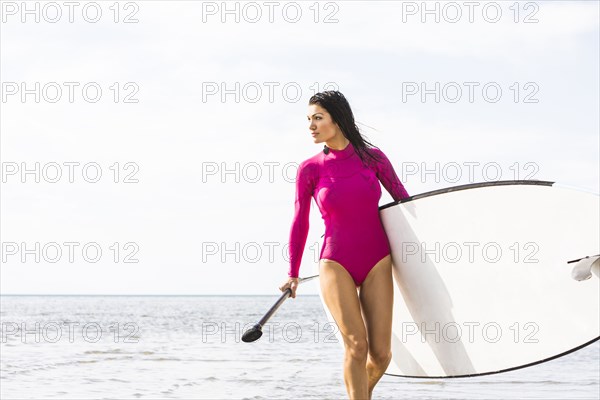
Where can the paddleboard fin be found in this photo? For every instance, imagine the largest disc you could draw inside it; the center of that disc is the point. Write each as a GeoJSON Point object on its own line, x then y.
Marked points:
{"type": "Point", "coordinates": [583, 268]}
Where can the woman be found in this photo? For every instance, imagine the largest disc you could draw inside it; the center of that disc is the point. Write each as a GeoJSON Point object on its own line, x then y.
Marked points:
{"type": "Point", "coordinates": [355, 268]}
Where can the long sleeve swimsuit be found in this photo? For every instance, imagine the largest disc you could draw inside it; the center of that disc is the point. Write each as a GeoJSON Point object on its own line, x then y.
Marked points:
{"type": "Point", "coordinates": [347, 193]}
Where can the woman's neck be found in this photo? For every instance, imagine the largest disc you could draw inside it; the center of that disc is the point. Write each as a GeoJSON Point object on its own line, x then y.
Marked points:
{"type": "Point", "coordinates": [338, 144]}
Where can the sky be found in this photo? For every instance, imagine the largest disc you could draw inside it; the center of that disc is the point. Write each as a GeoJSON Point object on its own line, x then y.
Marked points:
{"type": "Point", "coordinates": [162, 137]}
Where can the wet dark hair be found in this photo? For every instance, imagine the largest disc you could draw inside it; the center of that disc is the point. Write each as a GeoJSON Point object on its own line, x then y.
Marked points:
{"type": "Point", "coordinates": [338, 107]}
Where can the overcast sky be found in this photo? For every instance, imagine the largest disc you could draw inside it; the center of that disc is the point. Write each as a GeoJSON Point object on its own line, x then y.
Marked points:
{"type": "Point", "coordinates": [201, 122]}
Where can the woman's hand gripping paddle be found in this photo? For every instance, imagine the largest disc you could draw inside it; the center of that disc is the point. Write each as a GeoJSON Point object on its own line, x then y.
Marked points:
{"type": "Point", "coordinates": [255, 332]}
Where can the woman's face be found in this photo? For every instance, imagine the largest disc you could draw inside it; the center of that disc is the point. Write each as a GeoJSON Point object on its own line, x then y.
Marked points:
{"type": "Point", "coordinates": [321, 126]}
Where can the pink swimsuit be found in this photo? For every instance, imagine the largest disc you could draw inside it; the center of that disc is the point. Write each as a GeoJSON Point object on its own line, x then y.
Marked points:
{"type": "Point", "coordinates": [347, 193]}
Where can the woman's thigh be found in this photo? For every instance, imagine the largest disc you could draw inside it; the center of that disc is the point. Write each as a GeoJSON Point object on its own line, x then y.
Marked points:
{"type": "Point", "coordinates": [377, 300]}
{"type": "Point", "coordinates": [341, 297]}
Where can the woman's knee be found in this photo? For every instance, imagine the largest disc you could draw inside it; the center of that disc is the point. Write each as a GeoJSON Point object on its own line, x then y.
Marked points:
{"type": "Point", "coordinates": [357, 348]}
{"type": "Point", "coordinates": [381, 356]}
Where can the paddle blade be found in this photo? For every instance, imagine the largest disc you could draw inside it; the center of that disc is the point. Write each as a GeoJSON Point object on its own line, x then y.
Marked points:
{"type": "Point", "coordinates": [252, 334]}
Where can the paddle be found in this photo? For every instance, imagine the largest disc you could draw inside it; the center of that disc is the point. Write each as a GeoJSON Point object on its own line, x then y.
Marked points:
{"type": "Point", "coordinates": [255, 332]}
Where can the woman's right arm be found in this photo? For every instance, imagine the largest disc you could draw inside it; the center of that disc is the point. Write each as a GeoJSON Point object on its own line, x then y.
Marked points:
{"type": "Point", "coordinates": [299, 229]}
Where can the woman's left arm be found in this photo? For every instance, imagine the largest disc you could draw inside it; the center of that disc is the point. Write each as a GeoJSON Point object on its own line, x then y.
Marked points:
{"type": "Point", "coordinates": [387, 176]}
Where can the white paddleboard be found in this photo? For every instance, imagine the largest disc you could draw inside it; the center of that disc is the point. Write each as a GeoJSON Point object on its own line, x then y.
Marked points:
{"type": "Point", "coordinates": [491, 277]}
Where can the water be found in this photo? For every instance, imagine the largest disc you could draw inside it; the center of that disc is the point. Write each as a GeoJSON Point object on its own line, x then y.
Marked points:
{"type": "Point", "coordinates": [189, 347]}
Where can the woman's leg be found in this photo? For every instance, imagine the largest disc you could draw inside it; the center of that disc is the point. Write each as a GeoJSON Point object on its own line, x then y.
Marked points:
{"type": "Point", "coordinates": [340, 296]}
{"type": "Point", "coordinates": [377, 299]}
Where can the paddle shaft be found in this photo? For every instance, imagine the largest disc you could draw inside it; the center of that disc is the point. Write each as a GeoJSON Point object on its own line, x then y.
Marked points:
{"type": "Point", "coordinates": [282, 298]}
